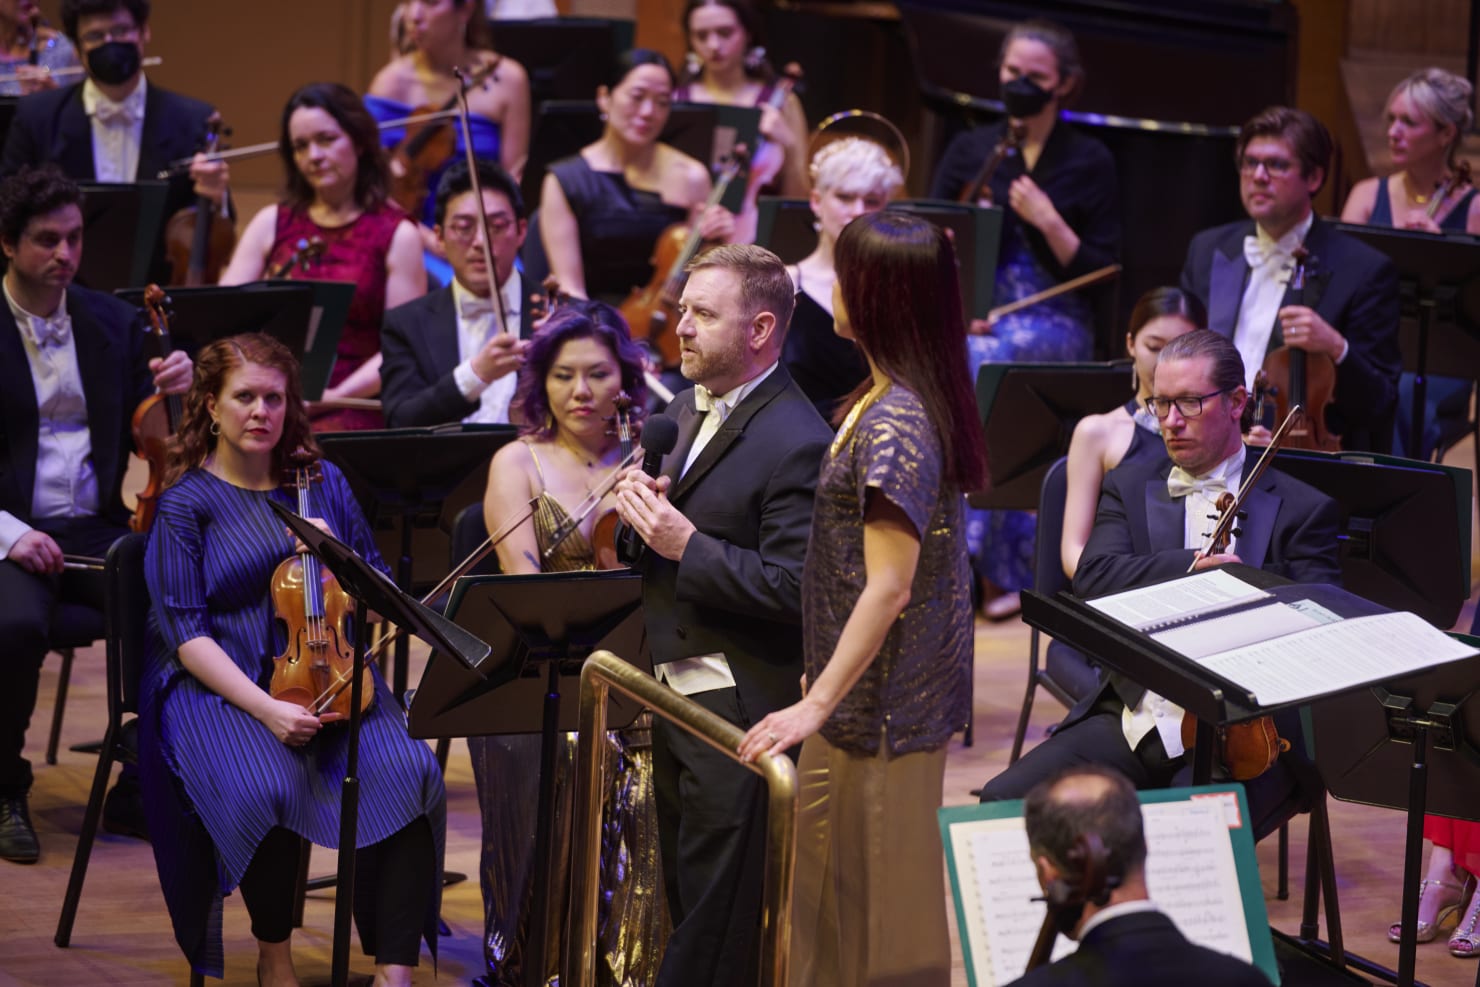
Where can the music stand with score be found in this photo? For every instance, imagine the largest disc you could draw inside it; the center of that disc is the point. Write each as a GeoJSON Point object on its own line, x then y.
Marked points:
{"type": "Point", "coordinates": [541, 628]}
{"type": "Point", "coordinates": [121, 224]}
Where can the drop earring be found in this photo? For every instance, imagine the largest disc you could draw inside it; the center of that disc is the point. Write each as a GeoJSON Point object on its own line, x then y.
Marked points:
{"type": "Point", "coordinates": [754, 59]}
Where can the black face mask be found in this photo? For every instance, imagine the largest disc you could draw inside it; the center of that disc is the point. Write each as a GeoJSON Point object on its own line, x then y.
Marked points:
{"type": "Point", "coordinates": [114, 62]}
{"type": "Point", "coordinates": [1024, 98]}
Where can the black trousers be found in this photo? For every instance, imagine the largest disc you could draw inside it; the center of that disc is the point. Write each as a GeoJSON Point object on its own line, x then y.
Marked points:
{"type": "Point", "coordinates": [27, 606]}
{"type": "Point", "coordinates": [712, 831]}
{"type": "Point", "coordinates": [393, 888]}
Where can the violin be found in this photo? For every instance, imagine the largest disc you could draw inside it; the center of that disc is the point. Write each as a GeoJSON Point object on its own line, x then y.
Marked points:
{"type": "Point", "coordinates": [318, 660]}
{"type": "Point", "coordinates": [604, 534]}
{"type": "Point", "coordinates": [652, 311]}
{"type": "Point", "coordinates": [1248, 749]}
{"type": "Point", "coordinates": [155, 419]}
{"type": "Point", "coordinates": [979, 189]}
{"type": "Point", "coordinates": [431, 143]}
{"type": "Point", "coordinates": [1459, 179]}
{"type": "Point", "coordinates": [305, 252]}
{"type": "Point", "coordinates": [1087, 881]}
{"type": "Point", "coordinates": [199, 239]}
{"type": "Point", "coordinates": [1301, 380]}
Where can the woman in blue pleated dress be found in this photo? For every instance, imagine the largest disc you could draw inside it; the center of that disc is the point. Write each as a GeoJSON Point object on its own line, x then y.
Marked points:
{"type": "Point", "coordinates": [234, 780]}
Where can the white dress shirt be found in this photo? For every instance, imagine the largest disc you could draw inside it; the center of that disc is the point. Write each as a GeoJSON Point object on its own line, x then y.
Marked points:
{"type": "Point", "coordinates": [65, 484]}
{"type": "Point", "coordinates": [1270, 263]}
{"type": "Point", "coordinates": [477, 322]}
{"type": "Point", "coordinates": [1155, 712]}
{"type": "Point", "coordinates": [703, 673]}
{"type": "Point", "coordinates": [1116, 911]}
{"type": "Point", "coordinates": [117, 131]}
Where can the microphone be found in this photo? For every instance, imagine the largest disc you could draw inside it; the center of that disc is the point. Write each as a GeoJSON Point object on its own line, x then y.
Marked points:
{"type": "Point", "coordinates": [659, 434]}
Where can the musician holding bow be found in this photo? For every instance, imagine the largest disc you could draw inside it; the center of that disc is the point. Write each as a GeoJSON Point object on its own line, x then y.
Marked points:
{"type": "Point", "coordinates": [1349, 309]}
{"type": "Point", "coordinates": [1152, 519]}
{"type": "Point", "coordinates": [72, 370]}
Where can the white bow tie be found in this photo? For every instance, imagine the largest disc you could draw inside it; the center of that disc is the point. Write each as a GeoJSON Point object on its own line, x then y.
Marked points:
{"type": "Point", "coordinates": [705, 400]}
{"type": "Point", "coordinates": [1259, 251]}
{"type": "Point", "coordinates": [110, 113]}
{"type": "Point", "coordinates": [472, 307]}
{"type": "Point", "coordinates": [52, 332]}
{"type": "Point", "coordinates": [1180, 483]}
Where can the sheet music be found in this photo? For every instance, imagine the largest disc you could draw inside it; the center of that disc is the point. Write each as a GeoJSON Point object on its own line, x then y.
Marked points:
{"type": "Point", "coordinates": [1333, 657]}
{"type": "Point", "coordinates": [1191, 874]}
{"type": "Point", "coordinates": [1165, 604]}
{"type": "Point", "coordinates": [1006, 884]}
{"type": "Point", "coordinates": [1234, 630]}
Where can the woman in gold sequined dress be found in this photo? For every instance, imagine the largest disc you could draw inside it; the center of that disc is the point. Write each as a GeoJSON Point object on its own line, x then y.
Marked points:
{"type": "Point", "coordinates": [576, 367]}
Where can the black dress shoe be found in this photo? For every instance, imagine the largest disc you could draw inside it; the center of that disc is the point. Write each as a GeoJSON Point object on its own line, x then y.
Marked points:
{"type": "Point", "coordinates": [18, 841]}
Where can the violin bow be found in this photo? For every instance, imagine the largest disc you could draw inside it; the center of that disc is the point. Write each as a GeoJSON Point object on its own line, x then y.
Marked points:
{"type": "Point", "coordinates": [1227, 518]}
{"type": "Point", "coordinates": [467, 81]}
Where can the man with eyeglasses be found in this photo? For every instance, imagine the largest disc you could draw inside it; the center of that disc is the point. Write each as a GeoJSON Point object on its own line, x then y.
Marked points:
{"type": "Point", "coordinates": [114, 126]}
{"type": "Point", "coordinates": [1151, 525]}
{"type": "Point", "coordinates": [454, 354]}
{"type": "Point", "coordinates": [1241, 272]}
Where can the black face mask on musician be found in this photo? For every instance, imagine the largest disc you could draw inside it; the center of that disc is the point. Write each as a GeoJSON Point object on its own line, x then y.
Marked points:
{"type": "Point", "coordinates": [1024, 98]}
{"type": "Point", "coordinates": [114, 62]}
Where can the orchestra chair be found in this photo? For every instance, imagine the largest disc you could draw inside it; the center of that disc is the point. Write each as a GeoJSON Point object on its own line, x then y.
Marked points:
{"type": "Point", "coordinates": [73, 626]}
{"type": "Point", "coordinates": [125, 617]}
{"type": "Point", "coordinates": [1065, 672]}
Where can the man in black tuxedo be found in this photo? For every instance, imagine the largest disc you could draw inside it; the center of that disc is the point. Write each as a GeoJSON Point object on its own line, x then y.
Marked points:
{"type": "Point", "coordinates": [1150, 525]}
{"type": "Point", "coordinates": [72, 370]}
{"type": "Point", "coordinates": [1124, 940]}
{"type": "Point", "coordinates": [114, 126]}
{"type": "Point", "coordinates": [726, 528]}
{"type": "Point", "coordinates": [1349, 310]}
{"type": "Point", "coordinates": [454, 354]}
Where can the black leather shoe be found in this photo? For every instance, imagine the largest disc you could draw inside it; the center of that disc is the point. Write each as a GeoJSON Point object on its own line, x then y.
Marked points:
{"type": "Point", "coordinates": [123, 811]}
{"type": "Point", "coordinates": [18, 842]}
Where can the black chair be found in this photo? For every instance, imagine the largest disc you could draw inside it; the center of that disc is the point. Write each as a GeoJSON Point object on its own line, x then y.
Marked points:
{"type": "Point", "coordinates": [468, 533]}
{"type": "Point", "coordinates": [126, 616]}
{"type": "Point", "coordinates": [1066, 673]}
{"type": "Point", "coordinates": [73, 626]}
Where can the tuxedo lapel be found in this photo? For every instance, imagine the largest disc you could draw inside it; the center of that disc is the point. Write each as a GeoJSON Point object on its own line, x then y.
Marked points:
{"type": "Point", "coordinates": [1165, 518]}
{"type": "Point", "coordinates": [729, 433]}
{"type": "Point", "coordinates": [72, 147]}
{"type": "Point", "coordinates": [440, 335]}
{"type": "Point", "coordinates": [99, 363]}
{"type": "Point", "coordinates": [1229, 276]}
{"type": "Point", "coordinates": [1256, 528]}
{"type": "Point", "coordinates": [689, 420]}
{"type": "Point", "coordinates": [155, 130]}
{"type": "Point", "coordinates": [18, 400]}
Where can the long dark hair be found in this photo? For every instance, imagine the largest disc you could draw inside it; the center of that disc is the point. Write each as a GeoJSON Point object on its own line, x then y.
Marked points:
{"type": "Point", "coordinates": [193, 440]}
{"type": "Point", "coordinates": [756, 65]}
{"type": "Point", "coordinates": [372, 172]}
{"type": "Point", "coordinates": [575, 320]}
{"type": "Point", "coordinates": [1163, 301]}
{"type": "Point", "coordinates": [903, 301]}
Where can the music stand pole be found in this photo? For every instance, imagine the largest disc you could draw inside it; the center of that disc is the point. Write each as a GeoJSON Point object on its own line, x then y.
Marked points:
{"type": "Point", "coordinates": [1420, 376]}
{"type": "Point", "coordinates": [349, 811]}
{"type": "Point", "coordinates": [539, 930]}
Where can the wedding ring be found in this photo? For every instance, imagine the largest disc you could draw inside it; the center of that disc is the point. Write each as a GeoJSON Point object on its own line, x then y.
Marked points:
{"type": "Point", "coordinates": [772, 737]}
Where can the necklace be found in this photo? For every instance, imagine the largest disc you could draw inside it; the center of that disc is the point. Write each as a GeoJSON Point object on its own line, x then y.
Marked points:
{"type": "Point", "coordinates": [1413, 193]}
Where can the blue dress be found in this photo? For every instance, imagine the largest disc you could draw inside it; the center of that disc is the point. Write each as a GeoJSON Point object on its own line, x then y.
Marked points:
{"type": "Point", "coordinates": [216, 780]}
{"type": "Point", "coordinates": [486, 145]}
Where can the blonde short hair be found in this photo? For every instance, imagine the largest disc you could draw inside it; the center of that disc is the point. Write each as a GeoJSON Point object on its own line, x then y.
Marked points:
{"type": "Point", "coordinates": [855, 164]}
{"type": "Point", "coordinates": [1444, 98]}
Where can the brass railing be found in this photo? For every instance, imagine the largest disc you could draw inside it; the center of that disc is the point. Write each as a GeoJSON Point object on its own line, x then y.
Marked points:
{"type": "Point", "coordinates": [602, 672]}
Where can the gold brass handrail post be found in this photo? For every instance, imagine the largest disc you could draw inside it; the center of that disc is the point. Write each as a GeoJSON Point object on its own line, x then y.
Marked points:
{"type": "Point", "coordinates": [601, 673]}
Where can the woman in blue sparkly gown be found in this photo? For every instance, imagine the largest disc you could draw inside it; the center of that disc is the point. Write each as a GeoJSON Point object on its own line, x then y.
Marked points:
{"type": "Point", "coordinates": [234, 780]}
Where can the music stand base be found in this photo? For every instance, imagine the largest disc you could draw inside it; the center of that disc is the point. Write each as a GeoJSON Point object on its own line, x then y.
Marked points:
{"type": "Point", "coordinates": [1321, 950]}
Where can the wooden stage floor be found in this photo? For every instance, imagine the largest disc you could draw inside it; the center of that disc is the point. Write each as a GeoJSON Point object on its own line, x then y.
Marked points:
{"type": "Point", "coordinates": [122, 934]}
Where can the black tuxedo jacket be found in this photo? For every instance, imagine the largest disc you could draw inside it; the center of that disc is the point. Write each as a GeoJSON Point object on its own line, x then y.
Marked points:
{"type": "Point", "coordinates": [1351, 286]}
{"type": "Point", "coordinates": [737, 589]}
{"type": "Point", "coordinates": [1142, 949]}
{"type": "Point", "coordinates": [115, 378]}
{"type": "Point", "coordinates": [1291, 529]}
{"type": "Point", "coordinates": [418, 348]}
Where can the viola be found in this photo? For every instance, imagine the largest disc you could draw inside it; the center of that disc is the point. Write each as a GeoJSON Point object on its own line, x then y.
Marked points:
{"type": "Point", "coordinates": [604, 534]}
{"type": "Point", "coordinates": [430, 143]}
{"type": "Point", "coordinates": [652, 311]}
{"type": "Point", "coordinates": [1298, 379]}
{"type": "Point", "coordinates": [155, 419]}
{"type": "Point", "coordinates": [318, 661]}
{"type": "Point", "coordinates": [979, 189]}
{"type": "Point", "coordinates": [199, 239]}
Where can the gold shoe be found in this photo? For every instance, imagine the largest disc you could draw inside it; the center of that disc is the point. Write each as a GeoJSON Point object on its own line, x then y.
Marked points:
{"type": "Point", "coordinates": [1428, 932]}
{"type": "Point", "coordinates": [1465, 942]}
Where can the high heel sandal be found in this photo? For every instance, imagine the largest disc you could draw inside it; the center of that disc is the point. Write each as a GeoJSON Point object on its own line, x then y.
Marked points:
{"type": "Point", "coordinates": [1428, 932]}
{"type": "Point", "coordinates": [1464, 942]}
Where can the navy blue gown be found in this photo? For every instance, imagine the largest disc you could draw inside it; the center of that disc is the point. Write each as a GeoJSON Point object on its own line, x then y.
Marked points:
{"type": "Point", "coordinates": [216, 780]}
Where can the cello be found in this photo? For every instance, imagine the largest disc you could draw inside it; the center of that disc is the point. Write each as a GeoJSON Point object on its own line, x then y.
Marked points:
{"type": "Point", "coordinates": [1300, 381]}
{"type": "Point", "coordinates": [155, 419]}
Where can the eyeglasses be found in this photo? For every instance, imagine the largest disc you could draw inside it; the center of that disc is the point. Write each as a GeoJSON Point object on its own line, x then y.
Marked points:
{"type": "Point", "coordinates": [1276, 167]}
{"type": "Point", "coordinates": [117, 32]}
{"type": "Point", "coordinates": [1187, 407]}
{"type": "Point", "coordinates": [465, 228]}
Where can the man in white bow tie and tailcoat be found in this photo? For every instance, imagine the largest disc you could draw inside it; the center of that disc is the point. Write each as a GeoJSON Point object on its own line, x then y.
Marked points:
{"type": "Point", "coordinates": [1350, 306]}
{"type": "Point", "coordinates": [1151, 525]}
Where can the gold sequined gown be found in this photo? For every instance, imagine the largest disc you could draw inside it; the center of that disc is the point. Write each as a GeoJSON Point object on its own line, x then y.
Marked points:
{"type": "Point", "coordinates": [633, 922]}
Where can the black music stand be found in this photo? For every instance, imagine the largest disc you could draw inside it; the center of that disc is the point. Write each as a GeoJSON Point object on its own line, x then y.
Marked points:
{"type": "Point", "coordinates": [541, 628]}
{"type": "Point", "coordinates": [412, 481]}
{"type": "Point", "coordinates": [1405, 527]}
{"type": "Point", "coordinates": [305, 316]}
{"type": "Point", "coordinates": [371, 590]}
{"type": "Point", "coordinates": [121, 224]}
{"type": "Point", "coordinates": [1439, 280]}
{"type": "Point", "coordinates": [566, 57]}
{"type": "Point", "coordinates": [1028, 413]}
{"type": "Point", "coordinates": [785, 227]}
